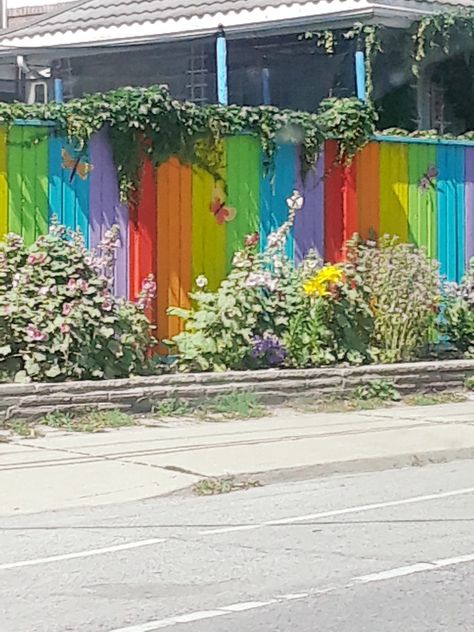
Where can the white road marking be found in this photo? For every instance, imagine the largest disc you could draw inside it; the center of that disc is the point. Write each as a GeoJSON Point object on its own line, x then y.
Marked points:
{"type": "Point", "coordinates": [452, 561]}
{"type": "Point", "coordinates": [235, 608]}
{"type": "Point", "coordinates": [248, 605]}
{"type": "Point", "coordinates": [395, 572]}
{"type": "Point", "coordinates": [89, 553]}
{"type": "Point", "coordinates": [285, 521]}
{"type": "Point", "coordinates": [292, 596]}
{"type": "Point", "coordinates": [198, 616]}
{"type": "Point", "coordinates": [343, 512]}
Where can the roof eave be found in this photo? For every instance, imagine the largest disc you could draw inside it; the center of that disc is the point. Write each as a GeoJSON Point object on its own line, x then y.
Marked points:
{"type": "Point", "coordinates": [104, 37]}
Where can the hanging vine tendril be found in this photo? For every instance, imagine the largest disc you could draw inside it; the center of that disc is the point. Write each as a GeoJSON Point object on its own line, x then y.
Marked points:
{"type": "Point", "coordinates": [148, 122]}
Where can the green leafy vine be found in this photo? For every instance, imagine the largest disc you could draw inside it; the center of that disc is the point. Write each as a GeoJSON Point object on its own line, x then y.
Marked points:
{"type": "Point", "coordinates": [369, 40]}
{"type": "Point", "coordinates": [148, 122]}
{"type": "Point", "coordinates": [443, 31]}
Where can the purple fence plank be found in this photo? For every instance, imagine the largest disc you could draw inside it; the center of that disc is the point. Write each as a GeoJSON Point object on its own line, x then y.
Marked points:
{"type": "Point", "coordinates": [106, 208]}
{"type": "Point", "coordinates": [469, 202]}
{"type": "Point", "coordinates": [309, 223]}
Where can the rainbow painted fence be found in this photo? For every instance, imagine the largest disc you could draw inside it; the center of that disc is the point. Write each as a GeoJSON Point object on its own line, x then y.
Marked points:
{"type": "Point", "coordinates": [186, 223]}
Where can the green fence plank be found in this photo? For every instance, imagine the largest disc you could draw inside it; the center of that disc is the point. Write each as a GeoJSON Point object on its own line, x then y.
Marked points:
{"type": "Point", "coordinates": [28, 178]}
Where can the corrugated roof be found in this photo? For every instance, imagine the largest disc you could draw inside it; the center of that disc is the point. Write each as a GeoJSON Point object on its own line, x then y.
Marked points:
{"type": "Point", "coordinates": [108, 21]}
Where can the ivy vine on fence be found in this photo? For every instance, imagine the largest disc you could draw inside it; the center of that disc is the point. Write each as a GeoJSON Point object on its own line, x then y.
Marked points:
{"type": "Point", "coordinates": [149, 122]}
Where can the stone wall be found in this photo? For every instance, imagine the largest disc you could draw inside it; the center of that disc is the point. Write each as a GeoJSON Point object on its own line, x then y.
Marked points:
{"type": "Point", "coordinates": [29, 401]}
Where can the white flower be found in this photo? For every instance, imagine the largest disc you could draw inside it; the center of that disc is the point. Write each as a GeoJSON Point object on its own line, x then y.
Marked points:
{"type": "Point", "coordinates": [201, 281]}
{"type": "Point", "coordinates": [261, 279]}
{"type": "Point", "coordinates": [296, 201]}
{"type": "Point", "coordinates": [241, 260]}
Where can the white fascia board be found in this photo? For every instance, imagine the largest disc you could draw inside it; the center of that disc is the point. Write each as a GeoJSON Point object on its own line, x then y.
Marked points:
{"type": "Point", "coordinates": [233, 21]}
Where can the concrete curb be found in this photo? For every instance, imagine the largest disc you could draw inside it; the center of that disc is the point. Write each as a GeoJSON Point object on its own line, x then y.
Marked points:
{"type": "Point", "coordinates": [375, 464]}
{"type": "Point", "coordinates": [138, 394]}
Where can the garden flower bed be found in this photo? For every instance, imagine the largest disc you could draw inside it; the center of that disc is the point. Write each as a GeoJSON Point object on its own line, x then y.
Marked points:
{"type": "Point", "coordinates": [385, 303]}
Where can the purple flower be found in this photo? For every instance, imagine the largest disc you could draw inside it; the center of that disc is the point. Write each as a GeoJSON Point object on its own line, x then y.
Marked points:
{"type": "Point", "coordinates": [268, 349]}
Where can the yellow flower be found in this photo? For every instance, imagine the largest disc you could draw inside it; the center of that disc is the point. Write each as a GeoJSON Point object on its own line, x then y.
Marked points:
{"type": "Point", "coordinates": [319, 284]}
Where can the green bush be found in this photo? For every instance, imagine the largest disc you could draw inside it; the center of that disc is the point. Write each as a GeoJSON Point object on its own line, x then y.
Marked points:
{"type": "Point", "coordinates": [404, 291]}
{"type": "Point", "coordinates": [335, 323]}
{"type": "Point", "coordinates": [268, 312]}
{"type": "Point", "coordinates": [59, 318]}
{"type": "Point", "coordinates": [458, 318]}
{"type": "Point", "coordinates": [250, 311]}
{"type": "Point", "coordinates": [381, 304]}
{"type": "Point", "coordinates": [241, 324]}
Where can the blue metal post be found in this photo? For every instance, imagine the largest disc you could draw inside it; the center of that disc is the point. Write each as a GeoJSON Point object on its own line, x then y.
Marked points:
{"type": "Point", "coordinates": [58, 90]}
{"type": "Point", "coordinates": [360, 75]}
{"type": "Point", "coordinates": [266, 94]}
{"type": "Point", "coordinates": [221, 62]}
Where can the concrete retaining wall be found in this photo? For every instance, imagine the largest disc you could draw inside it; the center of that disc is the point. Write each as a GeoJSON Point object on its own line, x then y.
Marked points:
{"type": "Point", "coordinates": [27, 401]}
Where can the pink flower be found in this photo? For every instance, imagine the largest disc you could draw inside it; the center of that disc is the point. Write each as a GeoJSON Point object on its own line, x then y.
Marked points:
{"type": "Point", "coordinates": [107, 305]}
{"type": "Point", "coordinates": [65, 328]}
{"type": "Point", "coordinates": [71, 285]}
{"type": "Point", "coordinates": [67, 309]}
{"type": "Point", "coordinates": [83, 285]}
{"type": "Point", "coordinates": [7, 310]}
{"type": "Point", "coordinates": [251, 240]}
{"type": "Point", "coordinates": [148, 292]}
{"type": "Point", "coordinates": [35, 334]}
{"type": "Point", "coordinates": [36, 258]}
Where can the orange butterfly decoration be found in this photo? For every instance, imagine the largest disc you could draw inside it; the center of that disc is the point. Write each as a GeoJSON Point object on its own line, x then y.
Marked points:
{"type": "Point", "coordinates": [221, 212]}
{"type": "Point", "coordinates": [83, 169]}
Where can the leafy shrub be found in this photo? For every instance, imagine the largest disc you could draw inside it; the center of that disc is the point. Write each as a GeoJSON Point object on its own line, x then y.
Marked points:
{"type": "Point", "coordinates": [335, 324]}
{"type": "Point", "coordinates": [381, 390]}
{"type": "Point", "coordinates": [241, 324]}
{"type": "Point", "coordinates": [403, 288]}
{"type": "Point", "coordinates": [458, 318]}
{"type": "Point", "coordinates": [381, 304]}
{"type": "Point", "coordinates": [59, 318]}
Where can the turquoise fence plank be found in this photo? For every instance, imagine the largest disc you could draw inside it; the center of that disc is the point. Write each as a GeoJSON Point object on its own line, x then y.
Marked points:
{"type": "Point", "coordinates": [275, 188]}
{"type": "Point", "coordinates": [451, 199]}
{"type": "Point", "coordinates": [69, 186]}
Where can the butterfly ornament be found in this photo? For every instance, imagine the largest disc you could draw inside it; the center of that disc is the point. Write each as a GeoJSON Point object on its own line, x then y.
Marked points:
{"type": "Point", "coordinates": [428, 180]}
{"type": "Point", "coordinates": [76, 165]}
{"type": "Point", "coordinates": [221, 212]}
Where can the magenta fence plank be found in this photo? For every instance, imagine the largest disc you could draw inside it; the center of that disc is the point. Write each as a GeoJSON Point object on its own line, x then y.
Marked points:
{"type": "Point", "coordinates": [469, 202]}
{"type": "Point", "coordinates": [309, 222]}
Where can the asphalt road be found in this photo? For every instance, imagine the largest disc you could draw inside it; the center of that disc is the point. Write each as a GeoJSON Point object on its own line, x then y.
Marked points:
{"type": "Point", "coordinates": [379, 552]}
